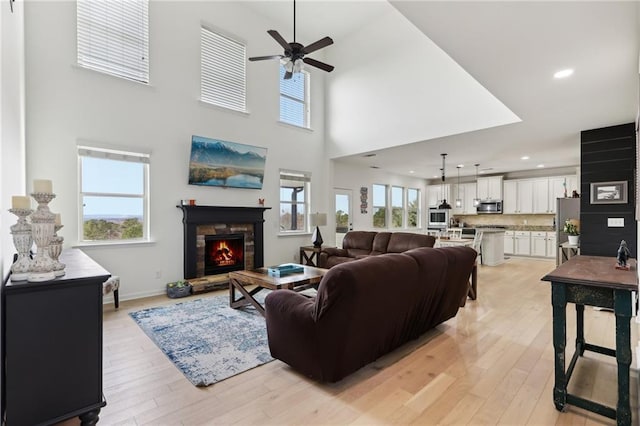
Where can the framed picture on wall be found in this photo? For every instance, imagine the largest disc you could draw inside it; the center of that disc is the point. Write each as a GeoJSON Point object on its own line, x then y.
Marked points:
{"type": "Point", "coordinates": [609, 192]}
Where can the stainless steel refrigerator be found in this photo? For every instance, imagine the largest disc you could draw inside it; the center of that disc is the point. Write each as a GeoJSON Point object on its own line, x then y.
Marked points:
{"type": "Point", "coordinates": [566, 208]}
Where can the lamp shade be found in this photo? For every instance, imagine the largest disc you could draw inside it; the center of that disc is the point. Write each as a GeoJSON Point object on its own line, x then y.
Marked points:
{"type": "Point", "coordinates": [318, 219]}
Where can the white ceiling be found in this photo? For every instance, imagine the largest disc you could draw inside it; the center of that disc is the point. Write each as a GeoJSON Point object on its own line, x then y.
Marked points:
{"type": "Point", "coordinates": [512, 49]}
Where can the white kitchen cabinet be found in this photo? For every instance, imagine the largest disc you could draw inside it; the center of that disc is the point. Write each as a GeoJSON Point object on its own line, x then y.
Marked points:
{"type": "Point", "coordinates": [518, 196]}
{"type": "Point", "coordinates": [508, 242]}
{"type": "Point", "coordinates": [490, 188]}
{"type": "Point", "coordinates": [538, 243]}
{"type": "Point", "coordinates": [552, 247]}
{"type": "Point", "coordinates": [435, 193]}
{"type": "Point", "coordinates": [522, 243]}
{"type": "Point", "coordinates": [557, 189]}
{"type": "Point", "coordinates": [540, 196]}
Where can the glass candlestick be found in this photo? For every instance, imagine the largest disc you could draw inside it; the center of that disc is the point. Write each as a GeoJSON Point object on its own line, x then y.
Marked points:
{"type": "Point", "coordinates": [55, 248]}
{"type": "Point", "coordinates": [42, 227]}
{"type": "Point", "coordinates": [22, 240]}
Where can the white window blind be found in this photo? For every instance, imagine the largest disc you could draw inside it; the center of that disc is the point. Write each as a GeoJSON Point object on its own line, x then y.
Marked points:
{"type": "Point", "coordinates": [223, 73]}
{"type": "Point", "coordinates": [294, 98]}
{"type": "Point", "coordinates": [113, 37]}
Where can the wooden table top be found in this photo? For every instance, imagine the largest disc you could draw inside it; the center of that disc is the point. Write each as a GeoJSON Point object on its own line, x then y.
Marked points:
{"type": "Point", "coordinates": [597, 271]}
{"type": "Point", "coordinates": [261, 277]}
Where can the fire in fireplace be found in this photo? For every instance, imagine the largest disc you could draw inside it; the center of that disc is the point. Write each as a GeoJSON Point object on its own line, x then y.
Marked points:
{"type": "Point", "coordinates": [223, 253]}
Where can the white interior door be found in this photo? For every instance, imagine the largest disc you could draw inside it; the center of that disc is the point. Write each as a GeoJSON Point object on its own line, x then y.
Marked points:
{"type": "Point", "coordinates": [343, 211]}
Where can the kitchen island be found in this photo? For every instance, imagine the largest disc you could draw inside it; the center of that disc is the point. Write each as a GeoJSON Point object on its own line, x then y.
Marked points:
{"type": "Point", "coordinates": [492, 246]}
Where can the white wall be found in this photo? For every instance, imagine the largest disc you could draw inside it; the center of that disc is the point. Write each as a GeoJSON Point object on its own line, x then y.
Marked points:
{"type": "Point", "coordinates": [401, 89]}
{"type": "Point", "coordinates": [66, 104]}
{"type": "Point", "coordinates": [348, 176]}
{"type": "Point", "coordinates": [12, 150]}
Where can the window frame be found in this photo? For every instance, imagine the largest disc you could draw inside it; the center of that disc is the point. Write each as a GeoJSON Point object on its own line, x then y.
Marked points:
{"type": "Point", "coordinates": [306, 102]}
{"type": "Point", "coordinates": [385, 207]}
{"type": "Point", "coordinates": [115, 155]}
{"type": "Point", "coordinates": [418, 208]}
{"type": "Point", "coordinates": [236, 94]}
{"type": "Point", "coordinates": [306, 178]}
{"type": "Point", "coordinates": [403, 210]}
{"type": "Point", "coordinates": [88, 55]}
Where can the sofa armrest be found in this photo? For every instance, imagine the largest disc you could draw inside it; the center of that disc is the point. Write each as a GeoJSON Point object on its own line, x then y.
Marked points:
{"type": "Point", "coordinates": [335, 251]}
{"type": "Point", "coordinates": [291, 330]}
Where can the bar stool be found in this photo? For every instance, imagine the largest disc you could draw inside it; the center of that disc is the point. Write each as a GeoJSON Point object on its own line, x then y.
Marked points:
{"type": "Point", "coordinates": [112, 285]}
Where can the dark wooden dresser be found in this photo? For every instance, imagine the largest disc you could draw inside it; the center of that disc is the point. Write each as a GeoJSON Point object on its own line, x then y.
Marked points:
{"type": "Point", "coordinates": [52, 345]}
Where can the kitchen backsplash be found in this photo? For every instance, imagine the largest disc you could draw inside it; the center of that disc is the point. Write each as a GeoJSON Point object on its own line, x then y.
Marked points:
{"type": "Point", "coordinates": [510, 220]}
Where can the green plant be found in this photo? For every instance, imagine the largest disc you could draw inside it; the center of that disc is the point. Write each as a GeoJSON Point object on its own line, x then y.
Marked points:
{"type": "Point", "coordinates": [178, 284]}
{"type": "Point", "coordinates": [571, 228]}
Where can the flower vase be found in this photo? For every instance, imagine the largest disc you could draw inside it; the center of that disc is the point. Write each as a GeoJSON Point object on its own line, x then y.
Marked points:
{"type": "Point", "coordinates": [573, 239]}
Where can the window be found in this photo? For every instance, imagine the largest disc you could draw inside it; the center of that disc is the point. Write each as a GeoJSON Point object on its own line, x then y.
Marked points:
{"type": "Point", "coordinates": [223, 80]}
{"type": "Point", "coordinates": [294, 201]}
{"type": "Point", "coordinates": [397, 206]}
{"type": "Point", "coordinates": [113, 37]}
{"type": "Point", "coordinates": [294, 99]}
{"type": "Point", "coordinates": [413, 208]}
{"type": "Point", "coordinates": [379, 206]}
{"type": "Point", "coordinates": [113, 195]}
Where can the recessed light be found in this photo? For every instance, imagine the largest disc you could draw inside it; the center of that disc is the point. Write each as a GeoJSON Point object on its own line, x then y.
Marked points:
{"type": "Point", "coordinates": [369, 155]}
{"type": "Point", "coordinates": [563, 73]}
{"type": "Point", "coordinates": [375, 167]}
{"type": "Point", "coordinates": [411, 171]}
{"type": "Point", "coordinates": [524, 157]}
{"type": "Point", "coordinates": [436, 176]}
{"type": "Point", "coordinates": [460, 165]}
{"type": "Point", "coordinates": [540, 166]}
{"type": "Point", "coordinates": [481, 172]}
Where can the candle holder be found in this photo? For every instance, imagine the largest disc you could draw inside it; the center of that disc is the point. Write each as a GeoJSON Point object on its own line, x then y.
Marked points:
{"type": "Point", "coordinates": [55, 248]}
{"type": "Point", "coordinates": [42, 226]}
{"type": "Point", "coordinates": [22, 240]}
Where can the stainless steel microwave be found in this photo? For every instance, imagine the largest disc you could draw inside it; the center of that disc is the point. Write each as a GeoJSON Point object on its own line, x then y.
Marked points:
{"type": "Point", "coordinates": [489, 207]}
{"type": "Point", "coordinates": [438, 218]}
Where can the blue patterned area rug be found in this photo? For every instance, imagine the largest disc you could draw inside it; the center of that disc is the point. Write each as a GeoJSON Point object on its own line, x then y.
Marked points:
{"type": "Point", "coordinates": [206, 339]}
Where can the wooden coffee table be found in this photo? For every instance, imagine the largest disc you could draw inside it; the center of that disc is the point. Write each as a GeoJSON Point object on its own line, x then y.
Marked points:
{"type": "Point", "coordinates": [261, 279]}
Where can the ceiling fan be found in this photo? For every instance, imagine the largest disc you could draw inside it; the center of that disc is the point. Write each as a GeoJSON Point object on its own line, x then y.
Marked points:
{"type": "Point", "coordinates": [294, 53]}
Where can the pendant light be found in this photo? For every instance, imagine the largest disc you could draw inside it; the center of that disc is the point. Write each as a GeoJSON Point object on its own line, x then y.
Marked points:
{"type": "Point", "coordinates": [444, 204]}
{"type": "Point", "coordinates": [458, 200]}
{"type": "Point", "coordinates": [476, 201]}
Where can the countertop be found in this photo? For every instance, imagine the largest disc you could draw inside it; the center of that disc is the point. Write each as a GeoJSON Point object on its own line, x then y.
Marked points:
{"type": "Point", "coordinates": [503, 228]}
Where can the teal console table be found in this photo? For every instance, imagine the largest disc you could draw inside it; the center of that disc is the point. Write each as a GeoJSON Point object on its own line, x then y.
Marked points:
{"type": "Point", "coordinates": [593, 281]}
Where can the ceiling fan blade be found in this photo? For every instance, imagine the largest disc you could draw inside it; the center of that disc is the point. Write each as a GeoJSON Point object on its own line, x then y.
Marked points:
{"type": "Point", "coordinates": [263, 58]}
{"type": "Point", "coordinates": [281, 41]}
{"type": "Point", "coordinates": [323, 42]}
{"type": "Point", "coordinates": [288, 75]}
{"type": "Point", "coordinates": [318, 64]}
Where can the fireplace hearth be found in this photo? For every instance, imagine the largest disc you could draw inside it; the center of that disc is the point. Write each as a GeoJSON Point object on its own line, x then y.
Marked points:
{"type": "Point", "coordinates": [202, 221]}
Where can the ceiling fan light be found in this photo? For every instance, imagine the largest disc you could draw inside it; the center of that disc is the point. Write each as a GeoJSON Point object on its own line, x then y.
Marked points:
{"type": "Point", "coordinates": [288, 66]}
{"type": "Point", "coordinates": [298, 66]}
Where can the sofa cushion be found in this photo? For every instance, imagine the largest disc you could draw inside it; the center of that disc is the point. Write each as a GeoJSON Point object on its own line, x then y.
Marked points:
{"type": "Point", "coordinates": [380, 243]}
{"type": "Point", "coordinates": [402, 241]}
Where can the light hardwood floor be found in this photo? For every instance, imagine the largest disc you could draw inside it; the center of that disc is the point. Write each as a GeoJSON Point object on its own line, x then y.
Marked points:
{"type": "Point", "coordinates": [491, 364]}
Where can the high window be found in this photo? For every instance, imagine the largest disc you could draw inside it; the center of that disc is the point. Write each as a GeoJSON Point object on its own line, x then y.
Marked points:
{"type": "Point", "coordinates": [294, 99]}
{"type": "Point", "coordinates": [397, 206]}
{"type": "Point", "coordinates": [379, 206]}
{"type": "Point", "coordinates": [113, 195]}
{"type": "Point", "coordinates": [413, 207]}
{"type": "Point", "coordinates": [294, 201]}
{"type": "Point", "coordinates": [113, 37]}
{"type": "Point", "coordinates": [223, 80]}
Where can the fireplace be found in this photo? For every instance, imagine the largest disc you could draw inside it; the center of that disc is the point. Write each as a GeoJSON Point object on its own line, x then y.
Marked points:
{"type": "Point", "coordinates": [223, 253]}
{"type": "Point", "coordinates": [221, 221]}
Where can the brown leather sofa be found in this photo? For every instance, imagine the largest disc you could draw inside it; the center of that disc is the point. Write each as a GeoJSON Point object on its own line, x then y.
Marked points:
{"type": "Point", "coordinates": [366, 309]}
{"type": "Point", "coordinates": [359, 244]}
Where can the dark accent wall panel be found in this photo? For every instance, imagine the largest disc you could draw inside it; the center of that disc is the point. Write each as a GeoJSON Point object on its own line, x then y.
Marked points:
{"type": "Point", "coordinates": [607, 154]}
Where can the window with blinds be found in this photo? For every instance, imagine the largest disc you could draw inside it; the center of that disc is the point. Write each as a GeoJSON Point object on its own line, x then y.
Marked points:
{"type": "Point", "coordinates": [222, 71]}
{"type": "Point", "coordinates": [294, 99]}
{"type": "Point", "coordinates": [113, 37]}
{"type": "Point", "coordinates": [113, 195]}
{"type": "Point", "coordinates": [294, 201]}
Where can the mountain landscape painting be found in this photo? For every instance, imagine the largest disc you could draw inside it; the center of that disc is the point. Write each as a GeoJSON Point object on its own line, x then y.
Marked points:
{"type": "Point", "coordinates": [220, 163]}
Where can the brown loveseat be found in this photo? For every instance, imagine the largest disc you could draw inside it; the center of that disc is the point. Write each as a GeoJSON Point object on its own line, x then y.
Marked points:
{"type": "Point", "coordinates": [366, 309]}
{"type": "Point", "coordinates": [359, 244]}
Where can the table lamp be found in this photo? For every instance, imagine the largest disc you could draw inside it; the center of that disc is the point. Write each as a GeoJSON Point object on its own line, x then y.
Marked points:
{"type": "Point", "coordinates": [317, 219]}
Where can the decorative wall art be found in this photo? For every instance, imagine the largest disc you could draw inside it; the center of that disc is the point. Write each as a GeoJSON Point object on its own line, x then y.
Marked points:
{"type": "Point", "coordinates": [215, 162]}
{"type": "Point", "coordinates": [364, 195]}
{"type": "Point", "coordinates": [609, 192]}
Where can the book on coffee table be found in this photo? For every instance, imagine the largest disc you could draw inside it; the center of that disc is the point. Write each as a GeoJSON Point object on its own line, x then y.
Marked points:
{"type": "Point", "coordinates": [284, 269]}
